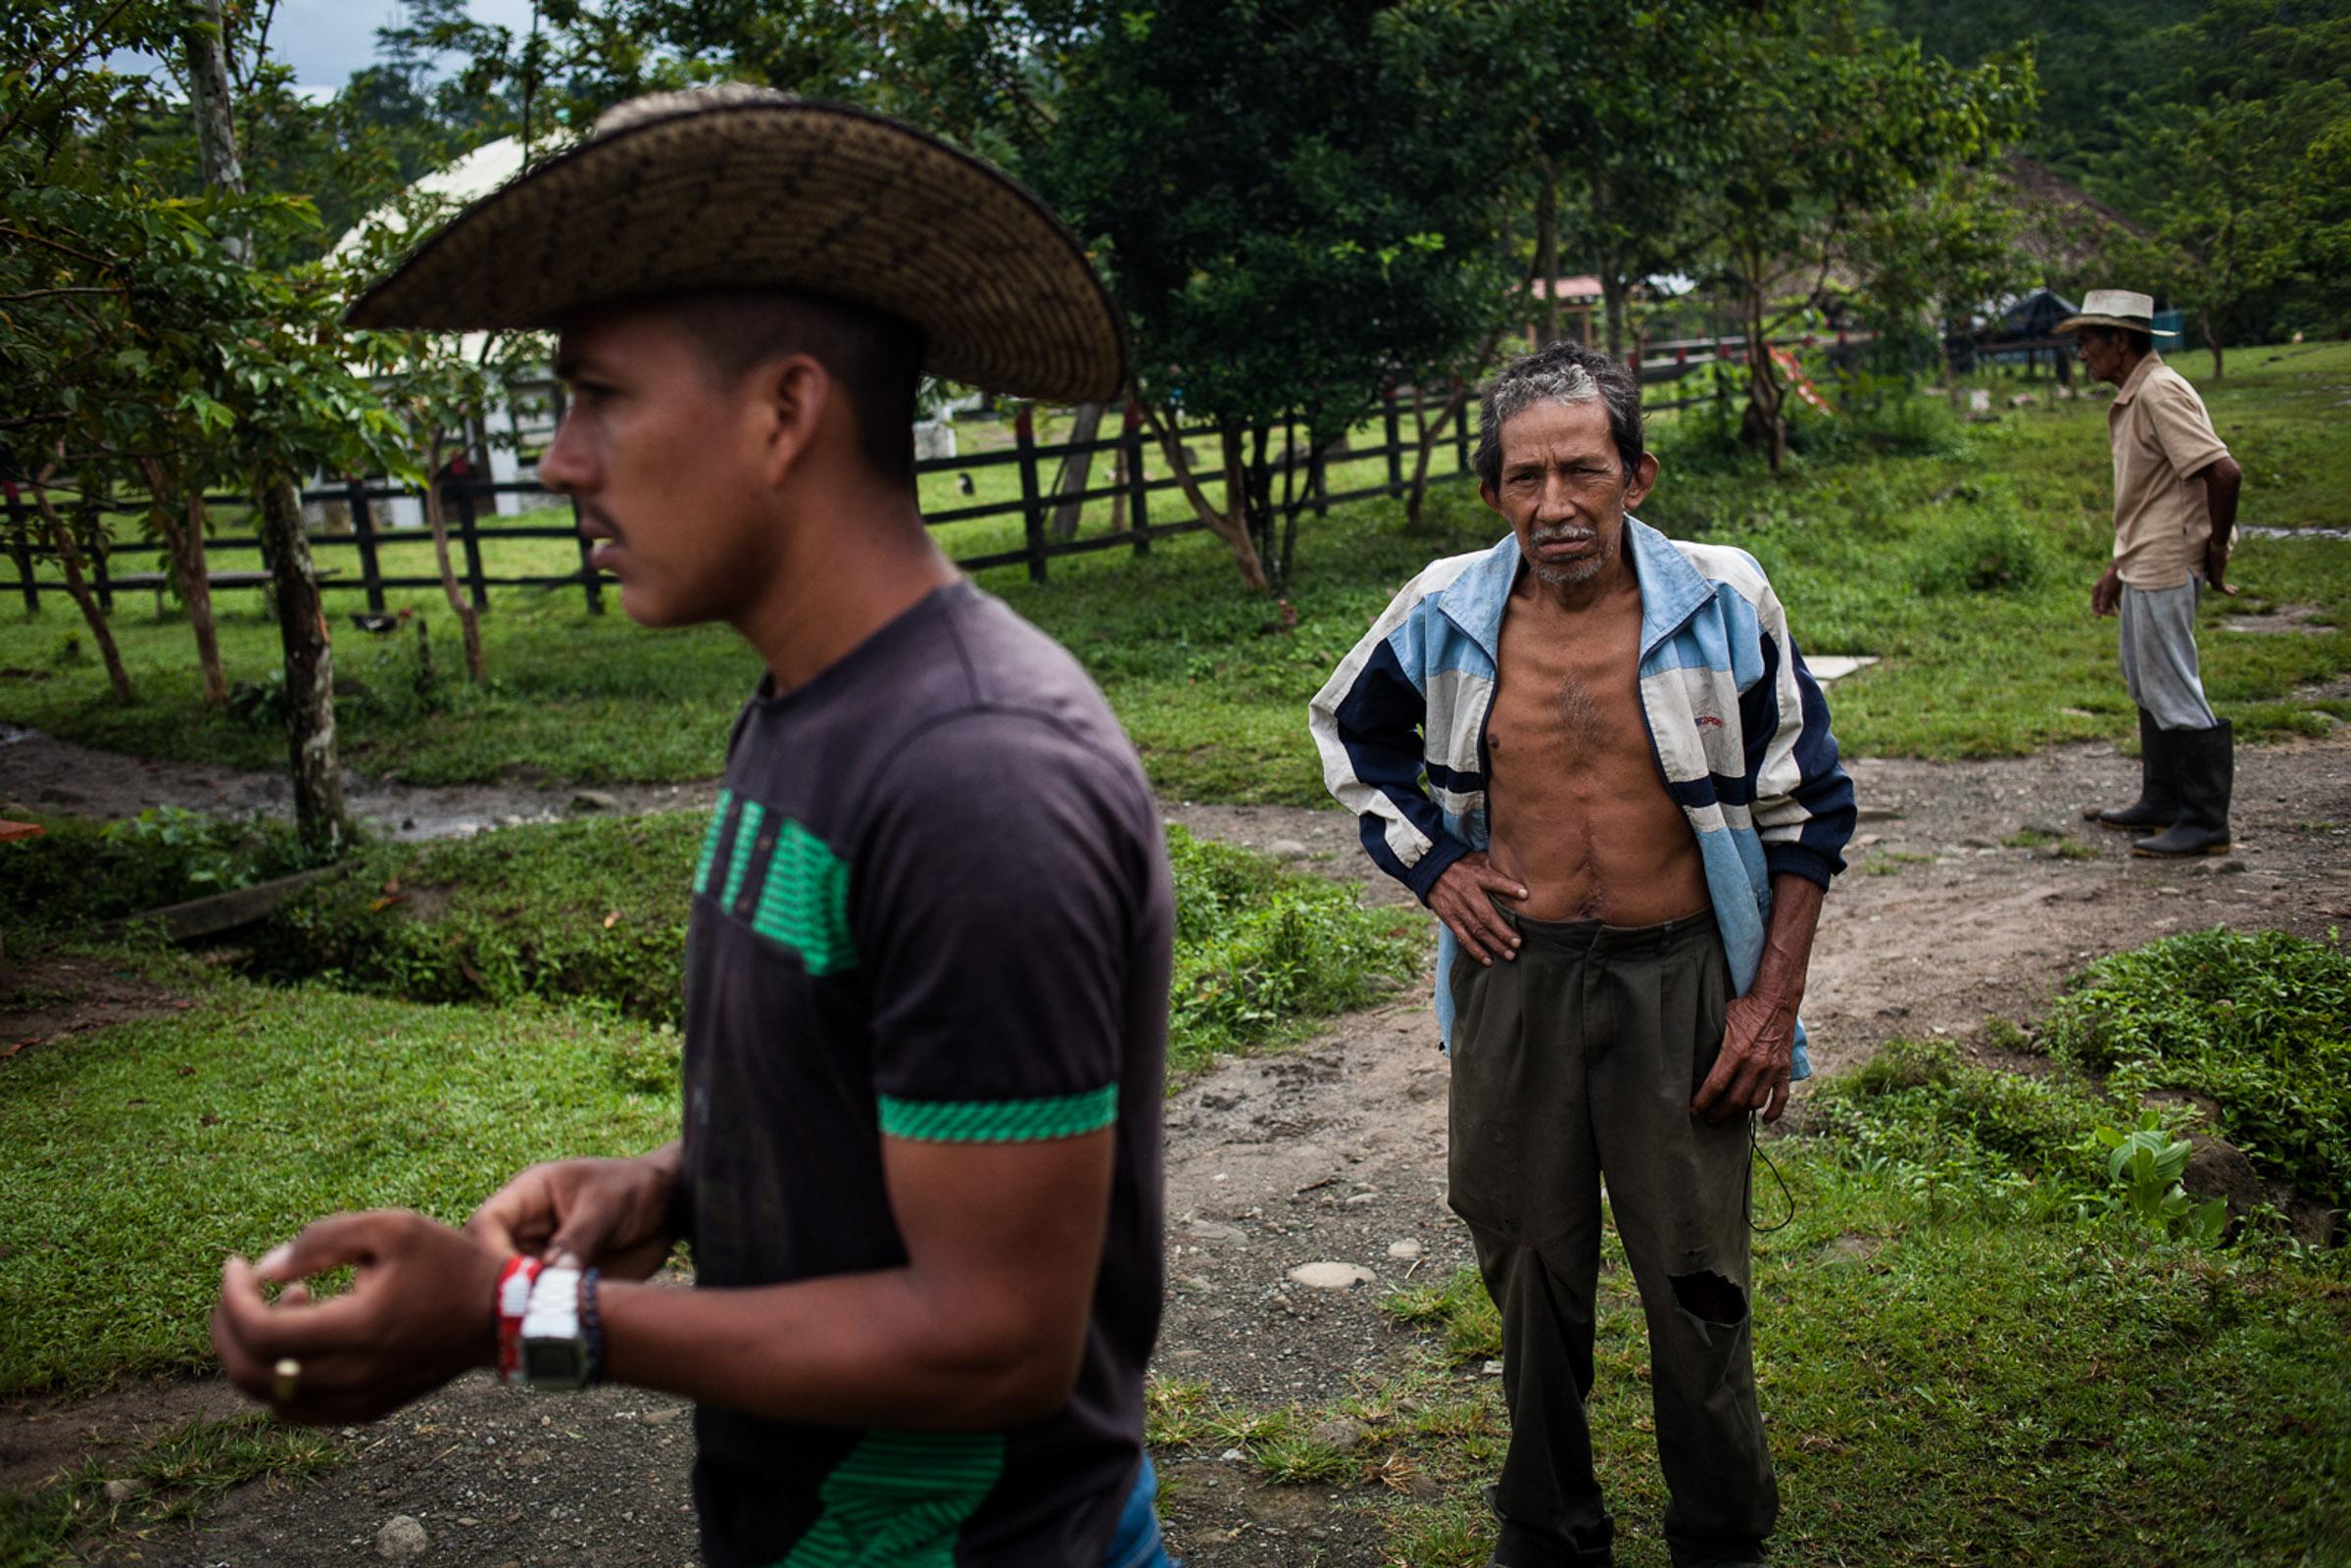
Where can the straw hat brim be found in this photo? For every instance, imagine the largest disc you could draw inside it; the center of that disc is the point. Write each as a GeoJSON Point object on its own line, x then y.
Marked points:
{"type": "Point", "coordinates": [2075, 324]}
{"type": "Point", "coordinates": [780, 193]}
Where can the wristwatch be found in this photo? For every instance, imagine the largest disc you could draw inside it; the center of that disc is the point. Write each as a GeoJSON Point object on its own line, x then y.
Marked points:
{"type": "Point", "coordinates": [556, 1350]}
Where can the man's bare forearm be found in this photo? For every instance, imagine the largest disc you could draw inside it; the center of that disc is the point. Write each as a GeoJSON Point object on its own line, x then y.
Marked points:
{"type": "Point", "coordinates": [1788, 941]}
{"type": "Point", "coordinates": [2224, 481]}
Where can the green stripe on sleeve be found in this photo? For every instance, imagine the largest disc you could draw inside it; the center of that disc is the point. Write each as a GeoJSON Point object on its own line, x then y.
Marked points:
{"type": "Point", "coordinates": [709, 841]}
{"type": "Point", "coordinates": [1000, 1121]}
{"type": "Point", "coordinates": [746, 836]}
{"type": "Point", "coordinates": [899, 1498]}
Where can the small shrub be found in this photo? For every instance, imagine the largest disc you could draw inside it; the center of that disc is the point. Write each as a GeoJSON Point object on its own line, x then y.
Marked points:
{"type": "Point", "coordinates": [2146, 1163]}
{"type": "Point", "coordinates": [80, 873]}
{"type": "Point", "coordinates": [2258, 1021]}
{"type": "Point", "coordinates": [1920, 1107]}
{"type": "Point", "coordinates": [1977, 554]}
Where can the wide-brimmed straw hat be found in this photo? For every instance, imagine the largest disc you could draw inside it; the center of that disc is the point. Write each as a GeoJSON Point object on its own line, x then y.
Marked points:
{"type": "Point", "coordinates": [738, 187]}
{"type": "Point", "coordinates": [2115, 307]}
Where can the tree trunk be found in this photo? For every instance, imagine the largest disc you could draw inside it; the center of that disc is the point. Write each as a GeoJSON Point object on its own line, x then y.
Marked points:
{"type": "Point", "coordinates": [215, 110]}
{"type": "Point", "coordinates": [1085, 423]}
{"type": "Point", "coordinates": [468, 623]}
{"type": "Point", "coordinates": [193, 575]}
{"type": "Point", "coordinates": [69, 558]}
{"type": "Point", "coordinates": [1764, 424]}
{"type": "Point", "coordinates": [1612, 307]}
{"type": "Point", "coordinates": [1231, 526]}
{"type": "Point", "coordinates": [1546, 255]}
{"type": "Point", "coordinates": [1641, 354]}
{"type": "Point", "coordinates": [2212, 330]}
{"type": "Point", "coordinates": [318, 816]}
{"type": "Point", "coordinates": [1419, 491]}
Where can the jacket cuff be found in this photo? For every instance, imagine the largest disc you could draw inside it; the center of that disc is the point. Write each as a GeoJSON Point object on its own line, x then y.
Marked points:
{"type": "Point", "coordinates": [1423, 873]}
{"type": "Point", "coordinates": [1802, 860]}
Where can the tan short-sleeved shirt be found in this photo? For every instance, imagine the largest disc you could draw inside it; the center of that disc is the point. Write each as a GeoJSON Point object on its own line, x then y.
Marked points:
{"type": "Point", "coordinates": [2160, 436]}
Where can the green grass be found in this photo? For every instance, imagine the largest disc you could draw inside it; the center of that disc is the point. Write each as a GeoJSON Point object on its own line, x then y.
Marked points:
{"type": "Point", "coordinates": [171, 1481]}
{"type": "Point", "coordinates": [1964, 1357]}
{"type": "Point", "coordinates": [2260, 1021]}
{"type": "Point", "coordinates": [1961, 557]}
{"type": "Point", "coordinates": [141, 1156]}
{"type": "Point", "coordinates": [595, 909]}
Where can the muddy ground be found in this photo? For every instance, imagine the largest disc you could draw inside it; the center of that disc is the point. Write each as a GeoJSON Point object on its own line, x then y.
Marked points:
{"type": "Point", "coordinates": [1333, 1153]}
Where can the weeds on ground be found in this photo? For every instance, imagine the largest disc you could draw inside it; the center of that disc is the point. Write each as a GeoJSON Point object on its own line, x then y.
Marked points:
{"type": "Point", "coordinates": [2259, 1021]}
{"type": "Point", "coordinates": [81, 873]}
{"type": "Point", "coordinates": [169, 1482]}
{"type": "Point", "coordinates": [595, 909]}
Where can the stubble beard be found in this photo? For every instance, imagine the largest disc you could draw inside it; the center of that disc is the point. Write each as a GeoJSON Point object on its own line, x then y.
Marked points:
{"type": "Point", "coordinates": [1574, 572]}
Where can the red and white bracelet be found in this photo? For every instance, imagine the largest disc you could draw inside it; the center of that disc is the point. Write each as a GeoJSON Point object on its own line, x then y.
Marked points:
{"type": "Point", "coordinates": [515, 1283]}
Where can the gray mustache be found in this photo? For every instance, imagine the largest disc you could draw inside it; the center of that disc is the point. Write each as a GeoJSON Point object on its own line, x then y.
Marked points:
{"type": "Point", "coordinates": [1566, 533]}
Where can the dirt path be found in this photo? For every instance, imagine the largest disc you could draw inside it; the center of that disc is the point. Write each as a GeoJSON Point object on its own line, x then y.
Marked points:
{"type": "Point", "coordinates": [1335, 1153]}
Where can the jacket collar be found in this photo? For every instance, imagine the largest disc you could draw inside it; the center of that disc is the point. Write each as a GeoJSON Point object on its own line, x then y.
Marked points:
{"type": "Point", "coordinates": [1671, 589]}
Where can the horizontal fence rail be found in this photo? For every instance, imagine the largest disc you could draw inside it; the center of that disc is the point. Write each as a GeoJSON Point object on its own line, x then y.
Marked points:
{"type": "Point", "coordinates": [1054, 486]}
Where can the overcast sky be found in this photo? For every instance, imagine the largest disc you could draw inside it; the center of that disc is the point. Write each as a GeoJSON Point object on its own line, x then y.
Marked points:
{"type": "Point", "coordinates": [326, 41]}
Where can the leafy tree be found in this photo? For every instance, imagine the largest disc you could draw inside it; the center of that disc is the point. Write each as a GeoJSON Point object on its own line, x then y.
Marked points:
{"type": "Point", "coordinates": [1288, 233]}
{"type": "Point", "coordinates": [2227, 167]}
{"type": "Point", "coordinates": [1837, 126]}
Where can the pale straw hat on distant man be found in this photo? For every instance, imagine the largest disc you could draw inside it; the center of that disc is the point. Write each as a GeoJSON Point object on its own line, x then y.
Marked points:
{"type": "Point", "coordinates": [2116, 307]}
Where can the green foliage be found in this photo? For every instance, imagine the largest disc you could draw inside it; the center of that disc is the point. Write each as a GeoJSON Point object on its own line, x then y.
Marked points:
{"type": "Point", "coordinates": [1257, 948]}
{"type": "Point", "coordinates": [2259, 1021]}
{"type": "Point", "coordinates": [1993, 555]}
{"type": "Point", "coordinates": [81, 873]}
{"type": "Point", "coordinates": [1473, 1326]}
{"type": "Point", "coordinates": [595, 909]}
{"type": "Point", "coordinates": [174, 1478]}
{"type": "Point", "coordinates": [1961, 1136]}
{"type": "Point", "coordinates": [2147, 1163]}
{"type": "Point", "coordinates": [141, 1156]}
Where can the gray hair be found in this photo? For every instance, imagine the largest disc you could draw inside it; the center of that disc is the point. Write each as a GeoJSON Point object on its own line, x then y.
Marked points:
{"type": "Point", "coordinates": [1562, 372]}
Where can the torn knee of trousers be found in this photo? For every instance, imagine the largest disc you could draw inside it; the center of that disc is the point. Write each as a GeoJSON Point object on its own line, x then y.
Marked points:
{"type": "Point", "coordinates": [1710, 1300]}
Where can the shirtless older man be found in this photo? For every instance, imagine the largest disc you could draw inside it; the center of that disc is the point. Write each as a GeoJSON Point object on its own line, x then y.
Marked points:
{"type": "Point", "coordinates": [1634, 803]}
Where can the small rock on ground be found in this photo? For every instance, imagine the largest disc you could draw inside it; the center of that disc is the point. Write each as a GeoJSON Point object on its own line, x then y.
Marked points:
{"type": "Point", "coordinates": [401, 1539]}
{"type": "Point", "coordinates": [1331, 1276]}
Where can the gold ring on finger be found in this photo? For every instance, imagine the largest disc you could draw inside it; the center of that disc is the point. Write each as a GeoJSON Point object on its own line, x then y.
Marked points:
{"type": "Point", "coordinates": [287, 1382]}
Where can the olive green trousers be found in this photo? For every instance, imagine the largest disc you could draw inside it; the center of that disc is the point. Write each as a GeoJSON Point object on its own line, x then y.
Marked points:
{"type": "Point", "coordinates": [1575, 1064]}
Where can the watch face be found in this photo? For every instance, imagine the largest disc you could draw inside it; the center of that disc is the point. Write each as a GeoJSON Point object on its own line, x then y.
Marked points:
{"type": "Point", "coordinates": [554, 1361]}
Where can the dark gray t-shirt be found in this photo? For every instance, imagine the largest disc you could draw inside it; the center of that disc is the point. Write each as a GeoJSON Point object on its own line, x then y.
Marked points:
{"type": "Point", "coordinates": [932, 904]}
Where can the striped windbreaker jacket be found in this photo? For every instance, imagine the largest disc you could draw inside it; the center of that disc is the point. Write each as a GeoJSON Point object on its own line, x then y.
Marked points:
{"type": "Point", "coordinates": [1737, 724]}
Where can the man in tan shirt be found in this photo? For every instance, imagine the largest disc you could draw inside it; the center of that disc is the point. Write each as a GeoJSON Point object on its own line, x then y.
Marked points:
{"type": "Point", "coordinates": [2175, 512]}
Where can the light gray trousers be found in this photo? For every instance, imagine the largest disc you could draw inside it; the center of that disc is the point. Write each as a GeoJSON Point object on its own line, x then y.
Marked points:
{"type": "Point", "coordinates": [2159, 654]}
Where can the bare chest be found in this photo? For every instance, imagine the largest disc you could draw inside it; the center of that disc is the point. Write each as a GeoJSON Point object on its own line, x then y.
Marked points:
{"type": "Point", "coordinates": [1567, 704]}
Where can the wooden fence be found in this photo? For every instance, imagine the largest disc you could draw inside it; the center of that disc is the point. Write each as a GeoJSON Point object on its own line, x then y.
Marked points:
{"type": "Point", "coordinates": [1049, 485]}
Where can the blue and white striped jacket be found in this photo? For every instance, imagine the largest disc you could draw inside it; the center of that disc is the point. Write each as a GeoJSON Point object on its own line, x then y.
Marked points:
{"type": "Point", "coordinates": [1737, 724]}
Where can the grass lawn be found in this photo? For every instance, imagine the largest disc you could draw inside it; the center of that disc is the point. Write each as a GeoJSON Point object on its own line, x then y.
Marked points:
{"type": "Point", "coordinates": [1872, 553]}
{"type": "Point", "coordinates": [142, 1156]}
{"type": "Point", "coordinates": [1964, 1357]}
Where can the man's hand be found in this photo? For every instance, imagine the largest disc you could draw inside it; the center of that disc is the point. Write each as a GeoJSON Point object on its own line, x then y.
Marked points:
{"type": "Point", "coordinates": [420, 1312]}
{"type": "Point", "coordinates": [1459, 899]}
{"type": "Point", "coordinates": [1751, 1072]}
{"type": "Point", "coordinates": [2106, 594]}
{"type": "Point", "coordinates": [608, 1214]}
{"type": "Point", "coordinates": [2223, 480]}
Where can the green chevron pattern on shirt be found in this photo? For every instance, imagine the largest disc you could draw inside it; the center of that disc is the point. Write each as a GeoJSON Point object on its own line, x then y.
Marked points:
{"type": "Point", "coordinates": [738, 860]}
{"type": "Point", "coordinates": [804, 900]}
{"type": "Point", "coordinates": [1000, 1121]}
{"type": "Point", "coordinates": [898, 1498]}
{"type": "Point", "coordinates": [709, 841]}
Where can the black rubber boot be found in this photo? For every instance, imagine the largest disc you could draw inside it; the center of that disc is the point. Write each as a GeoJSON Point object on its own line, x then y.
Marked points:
{"type": "Point", "coordinates": [2158, 803]}
{"type": "Point", "coordinates": [2206, 771]}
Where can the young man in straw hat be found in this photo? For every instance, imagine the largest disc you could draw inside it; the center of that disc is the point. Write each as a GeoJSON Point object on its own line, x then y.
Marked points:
{"type": "Point", "coordinates": [2174, 510]}
{"type": "Point", "coordinates": [928, 961]}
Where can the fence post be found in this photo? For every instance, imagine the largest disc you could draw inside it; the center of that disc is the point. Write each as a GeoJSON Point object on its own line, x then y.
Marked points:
{"type": "Point", "coordinates": [20, 546]}
{"type": "Point", "coordinates": [1031, 515]}
{"type": "Point", "coordinates": [588, 574]}
{"type": "Point", "coordinates": [1395, 447]}
{"type": "Point", "coordinates": [94, 545]}
{"type": "Point", "coordinates": [1138, 502]}
{"type": "Point", "coordinates": [362, 527]}
{"type": "Point", "coordinates": [1469, 409]}
{"type": "Point", "coordinates": [475, 587]}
